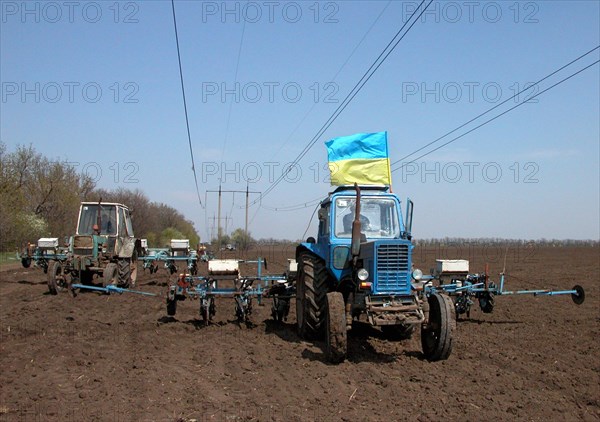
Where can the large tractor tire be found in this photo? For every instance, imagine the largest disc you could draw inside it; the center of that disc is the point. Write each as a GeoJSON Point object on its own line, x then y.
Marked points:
{"type": "Point", "coordinates": [127, 272]}
{"type": "Point", "coordinates": [54, 277]}
{"type": "Point", "coordinates": [398, 332]}
{"type": "Point", "coordinates": [311, 300]}
{"type": "Point", "coordinates": [436, 333]}
{"type": "Point", "coordinates": [110, 275]}
{"type": "Point", "coordinates": [336, 335]}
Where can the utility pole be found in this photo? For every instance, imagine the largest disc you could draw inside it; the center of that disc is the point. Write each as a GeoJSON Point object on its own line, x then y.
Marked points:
{"type": "Point", "coordinates": [219, 220]}
{"type": "Point", "coordinates": [246, 225]}
{"type": "Point", "coordinates": [221, 191]}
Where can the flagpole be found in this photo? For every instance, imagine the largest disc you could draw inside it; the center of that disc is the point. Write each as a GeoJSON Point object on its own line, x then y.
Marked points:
{"type": "Point", "coordinates": [387, 149]}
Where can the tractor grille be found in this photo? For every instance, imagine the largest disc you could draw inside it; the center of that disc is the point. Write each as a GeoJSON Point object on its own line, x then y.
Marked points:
{"type": "Point", "coordinates": [83, 251]}
{"type": "Point", "coordinates": [392, 268]}
{"type": "Point", "coordinates": [83, 245]}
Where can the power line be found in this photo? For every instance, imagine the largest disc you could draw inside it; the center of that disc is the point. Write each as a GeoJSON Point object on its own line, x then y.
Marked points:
{"type": "Point", "coordinates": [187, 121]}
{"type": "Point", "coordinates": [355, 90]}
{"type": "Point", "coordinates": [310, 220]}
{"type": "Point", "coordinates": [332, 79]}
{"type": "Point", "coordinates": [237, 66]}
{"type": "Point", "coordinates": [295, 207]}
{"type": "Point", "coordinates": [491, 109]}
{"type": "Point", "coordinates": [499, 115]}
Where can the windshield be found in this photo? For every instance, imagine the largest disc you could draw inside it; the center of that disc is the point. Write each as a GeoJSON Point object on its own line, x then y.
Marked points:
{"type": "Point", "coordinates": [378, 216]}
{"type": "Point", "coordinates": [89, 217]}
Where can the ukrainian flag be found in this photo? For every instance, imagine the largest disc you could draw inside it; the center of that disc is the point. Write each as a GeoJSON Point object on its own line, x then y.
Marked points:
{"type": "Point", "coordinates": [362, 158]}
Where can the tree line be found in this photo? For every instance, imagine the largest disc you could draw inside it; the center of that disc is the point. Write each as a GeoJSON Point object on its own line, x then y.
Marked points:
{"type": "Point", "coordinates": [497, 241]}
{"type": "Point", "coordinates": [40, 198]}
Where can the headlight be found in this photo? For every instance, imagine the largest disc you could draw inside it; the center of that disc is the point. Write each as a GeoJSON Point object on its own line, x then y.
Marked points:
{"type": "Point", "coordinates": [363, 274]}
{"type": "Point", "coordinates": [417, 274]}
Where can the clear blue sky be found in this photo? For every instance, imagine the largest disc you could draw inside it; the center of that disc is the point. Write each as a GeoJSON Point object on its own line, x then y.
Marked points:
{"type": "Point", "coordinates": [464, 58]}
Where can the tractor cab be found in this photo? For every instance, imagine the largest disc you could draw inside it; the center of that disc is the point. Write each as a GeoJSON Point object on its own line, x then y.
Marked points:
{"type": "Point", "coordinates": [105, 219]}
{"type": "Point", "coordinates": [382, 247]}
{"type": "Point", "coordinates": [103, 247]}
{"type": "Point", "coordinates": [104, 232]}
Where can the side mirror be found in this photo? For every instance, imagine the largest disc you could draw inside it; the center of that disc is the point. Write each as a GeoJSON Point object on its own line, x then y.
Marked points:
{"type": "Point", "coordinates": [322, 214]}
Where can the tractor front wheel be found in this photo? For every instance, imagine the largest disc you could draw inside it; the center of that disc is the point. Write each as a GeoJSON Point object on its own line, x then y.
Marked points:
{"type": "Point", "coordinates": [110, 275]}
{"type": "Point", "coordinates": [336, 341]}
{"type": "Point", "coordinates": [54, 277]}
{"type": "Point", "coordinates": [311, 301]}
{"type": "Point", "coordinates": [436, 333]}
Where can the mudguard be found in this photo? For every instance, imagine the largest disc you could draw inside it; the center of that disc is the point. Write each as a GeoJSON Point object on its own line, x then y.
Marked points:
{"type": "Point", "coordinates": [127, 247]}
{"type": "Point", "coordinates": [312, 247]}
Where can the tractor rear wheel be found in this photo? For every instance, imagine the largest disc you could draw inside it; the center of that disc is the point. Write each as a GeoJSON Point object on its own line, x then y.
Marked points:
{"type": "Point", "coordinates": [436, 333]}
{"type": "Point", "coordinates": [127, 272]}
{"type": "Point", "coordinates": [110, 275]}
{"type": "Point", "coordinates": [311, 300]}
{"type": "Point", "coordinates": [336, 335]}
{"type": "Point", "coordinates": [398, 332]}
{"type": "Point", "coordinates": [54, 277]}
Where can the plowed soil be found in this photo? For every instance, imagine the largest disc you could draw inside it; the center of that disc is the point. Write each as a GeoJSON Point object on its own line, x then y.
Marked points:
{"type": "Point", "coordinates": [97, 357]}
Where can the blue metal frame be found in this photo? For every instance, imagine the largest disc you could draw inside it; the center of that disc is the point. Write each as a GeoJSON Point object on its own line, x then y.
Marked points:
{"type": "Point", "coordinates": [165, 255]}
{"type": "Point", "coordinates": [111, 289]}
{"type": "Point", "coordinates": [472, 288]}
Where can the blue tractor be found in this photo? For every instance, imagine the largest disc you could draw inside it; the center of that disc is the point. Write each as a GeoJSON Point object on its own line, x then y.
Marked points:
{"type": "Point", "coordinates": [360, 264]}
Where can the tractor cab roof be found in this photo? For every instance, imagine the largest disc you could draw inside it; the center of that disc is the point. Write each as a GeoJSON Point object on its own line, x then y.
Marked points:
{"type": "Point", "coordinates": [105, 203]}
{"type": "Point", "coordinates": [364, 189]}
{"type": "Point", "coordinates": [382, 188]}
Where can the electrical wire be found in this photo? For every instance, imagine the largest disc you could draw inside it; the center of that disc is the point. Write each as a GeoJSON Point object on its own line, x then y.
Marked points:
{"type": "Point", "coordinates": [294, 207]}
{"type": "Point", "coordinates": [235, 79]}
{"type": "Point", "coordinates": [289, 137]}
{"type": "Point", "coordinates": [499, 115]}
{"type": "Point", "coordinates": [310, 220]}
{"type": "Point", "coordinates": [359, 85]}
{"type": "Point", "coordinates": [491, 109]}
{"type": "Point", "coordinates": [187, 121]}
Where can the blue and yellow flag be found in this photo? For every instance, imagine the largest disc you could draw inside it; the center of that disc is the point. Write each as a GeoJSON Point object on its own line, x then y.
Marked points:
{"type": "Point", "coordinates": [361, 158]}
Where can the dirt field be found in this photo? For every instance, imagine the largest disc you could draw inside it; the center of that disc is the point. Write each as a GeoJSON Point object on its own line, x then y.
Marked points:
{"type": "Point", "coordinates": [118, 358]}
